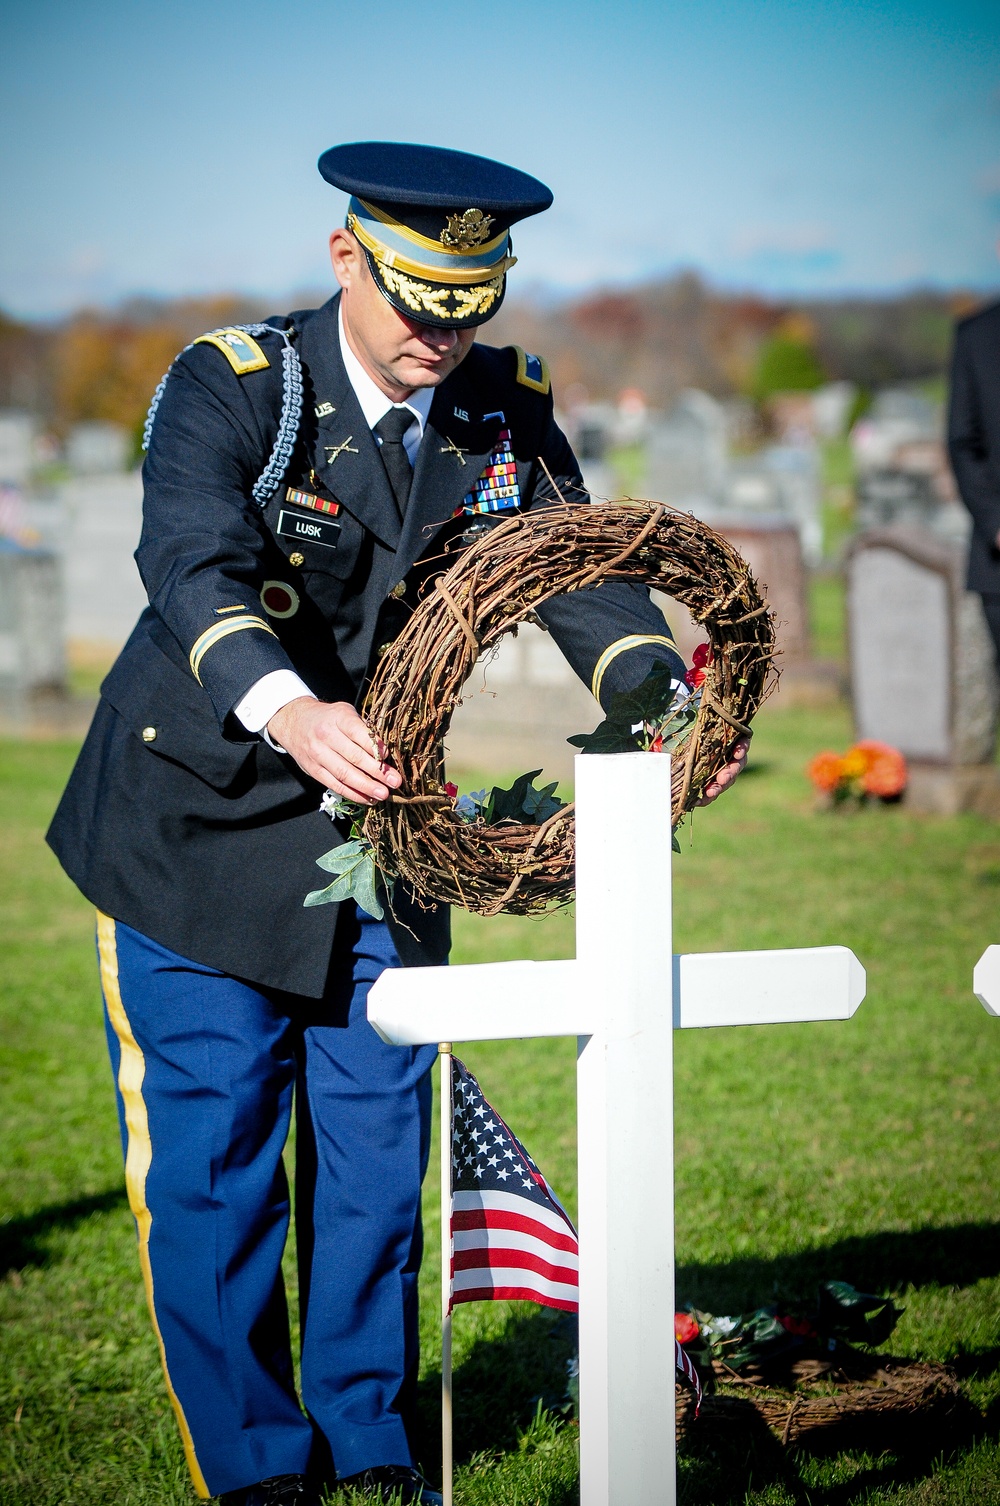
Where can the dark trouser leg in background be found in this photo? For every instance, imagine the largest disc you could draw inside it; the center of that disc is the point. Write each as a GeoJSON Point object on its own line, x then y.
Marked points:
{"type": "Point", "coordinates": [991, 610]}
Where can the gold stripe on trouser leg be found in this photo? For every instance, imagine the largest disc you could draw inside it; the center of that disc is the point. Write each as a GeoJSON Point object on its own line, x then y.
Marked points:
{"type": "Point", "coordinates": [138, 1157]}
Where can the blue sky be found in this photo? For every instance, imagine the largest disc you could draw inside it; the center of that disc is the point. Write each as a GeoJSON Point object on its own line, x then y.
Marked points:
{"type": "Point", "coordinates": [169, 147]}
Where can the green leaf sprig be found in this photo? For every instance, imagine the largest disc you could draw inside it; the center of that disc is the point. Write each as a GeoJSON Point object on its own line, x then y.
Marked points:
{"type": "Point", "coordinates": [353, 862]}
{"type": "Point", "coordinates": [649, 718]}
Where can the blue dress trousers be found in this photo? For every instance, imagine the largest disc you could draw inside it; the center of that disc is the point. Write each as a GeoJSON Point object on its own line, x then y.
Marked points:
{"type": "Point", "coordinates": [205, 1067]}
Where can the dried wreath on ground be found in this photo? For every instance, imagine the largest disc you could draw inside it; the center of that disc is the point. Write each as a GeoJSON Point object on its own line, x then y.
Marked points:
{"type": "Point", "coordinates": [514, 850]}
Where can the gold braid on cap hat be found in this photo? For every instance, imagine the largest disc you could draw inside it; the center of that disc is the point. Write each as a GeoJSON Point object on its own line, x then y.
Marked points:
{"type": "Point", "coordinates": [422, 298]}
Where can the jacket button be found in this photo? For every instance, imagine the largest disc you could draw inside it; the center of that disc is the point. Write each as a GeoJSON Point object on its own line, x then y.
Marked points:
{"type": "Point", "coordinates": [149, 734]}
{"type": "Point", "coordinates": [296, 559]}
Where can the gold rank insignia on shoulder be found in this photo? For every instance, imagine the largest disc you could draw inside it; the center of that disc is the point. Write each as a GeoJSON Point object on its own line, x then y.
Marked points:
{"type": "Point", "coordinates": [310, 499]}
{"type": "Point", "coordinates": [532, 371]}
{"type": "Point", "coordinates": [463, 231]}
{"type": "Point", "coordinates": [240, 350]}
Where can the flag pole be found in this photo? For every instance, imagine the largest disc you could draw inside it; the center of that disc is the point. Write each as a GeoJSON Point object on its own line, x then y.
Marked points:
{"type": "Point", "coordinates": [447, 1443]}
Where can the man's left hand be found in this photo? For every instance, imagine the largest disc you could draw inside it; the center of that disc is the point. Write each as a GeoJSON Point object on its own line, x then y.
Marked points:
{"type": "Point", "coordinates": [729, 771]}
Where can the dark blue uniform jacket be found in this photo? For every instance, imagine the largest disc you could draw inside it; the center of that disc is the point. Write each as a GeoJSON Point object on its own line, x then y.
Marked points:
{"type": "Point", "coordinates": [178, 821]}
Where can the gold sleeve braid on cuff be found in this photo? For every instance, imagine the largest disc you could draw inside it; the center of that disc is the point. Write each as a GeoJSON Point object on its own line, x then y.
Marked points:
{"type": "Point", "coordinates": [220, 630]}
{"type": "Point", "coordinates": [622, 646]}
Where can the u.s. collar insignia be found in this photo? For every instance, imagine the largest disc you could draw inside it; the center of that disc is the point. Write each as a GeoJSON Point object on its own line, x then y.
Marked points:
{"type": "Point", "coordinates": [463, 231]}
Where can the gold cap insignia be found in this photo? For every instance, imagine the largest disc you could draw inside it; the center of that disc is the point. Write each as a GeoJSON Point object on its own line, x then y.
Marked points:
{"type": "Point", "coordinates": [463, 231]}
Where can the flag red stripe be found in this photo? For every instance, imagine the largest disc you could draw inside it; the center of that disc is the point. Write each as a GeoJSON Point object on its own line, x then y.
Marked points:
{"type": "Point", "coordinates": [483, 1257]}
{"type": "Point", "coordinates": [493, 1218]}
{"type": "Point", "coordinates": [512, 1294]}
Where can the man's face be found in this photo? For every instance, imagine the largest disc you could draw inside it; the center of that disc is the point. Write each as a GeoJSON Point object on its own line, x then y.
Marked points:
{"type": "Point", "coordinates": [398, 353]}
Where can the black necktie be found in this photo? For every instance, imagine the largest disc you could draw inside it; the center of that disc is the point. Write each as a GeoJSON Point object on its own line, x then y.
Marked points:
{"type": "Point", "coordinates": [390, 431]}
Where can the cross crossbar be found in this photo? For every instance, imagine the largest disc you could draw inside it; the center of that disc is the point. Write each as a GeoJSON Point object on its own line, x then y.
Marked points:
{"type": "Point", "coordinates": [492, 1001]}
{"type": "Point", "coordinates": [986, 980]}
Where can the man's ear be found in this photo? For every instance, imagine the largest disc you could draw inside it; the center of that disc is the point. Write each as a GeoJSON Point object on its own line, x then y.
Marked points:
{"type": "Point", "coordinates": [345, 257]}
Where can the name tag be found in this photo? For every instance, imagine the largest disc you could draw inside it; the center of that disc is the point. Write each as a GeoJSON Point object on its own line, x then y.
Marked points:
{"type": "Point", "coordinates": [308, 528]}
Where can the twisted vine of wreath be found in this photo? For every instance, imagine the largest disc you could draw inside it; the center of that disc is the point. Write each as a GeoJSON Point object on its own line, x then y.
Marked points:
{"type": "Point", "coordinates": [496, 584]}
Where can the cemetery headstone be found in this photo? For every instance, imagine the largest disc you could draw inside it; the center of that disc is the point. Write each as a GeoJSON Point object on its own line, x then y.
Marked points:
{"type": "Point", "coordinates": [772, 547]}
{"type": "Point", "coordinates": [923, 676]}
{"type": "Point", "coordinates": [98, 449]}
{"type": "Point", "coordinates": [104, 593]}
{"type": "Point", "coordinates": [783, 481]}
{"type": "Point", "coordinates": [686, 453]}
{"type": "Point", "coordinates": [32, 645]}
{"type": "Point", "coordinates": [18, 438]}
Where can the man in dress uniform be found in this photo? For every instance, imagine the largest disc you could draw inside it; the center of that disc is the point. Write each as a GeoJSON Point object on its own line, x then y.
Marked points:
{"type": "Point", "coordinates": [305, 478]}
{"type": "Point", "coordinates": [974, 444]}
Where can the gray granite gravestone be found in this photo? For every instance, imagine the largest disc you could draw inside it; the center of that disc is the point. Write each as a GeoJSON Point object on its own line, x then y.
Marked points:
{"type": "Point", "coordinates": [32, 644]}
{"type": "Point", "coordinates": [922, 670]}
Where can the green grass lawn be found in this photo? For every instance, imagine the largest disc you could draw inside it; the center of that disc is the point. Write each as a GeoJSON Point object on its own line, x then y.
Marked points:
{"type": "Point", "coordinates": [868, 1150]}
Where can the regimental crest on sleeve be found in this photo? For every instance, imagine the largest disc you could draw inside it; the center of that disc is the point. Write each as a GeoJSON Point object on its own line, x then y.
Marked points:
{"type": "Point", "coordinates": [463, 231]}
{"type": "Point", "coordinates": [532, 371]}
{"type": "Point", "coordinates": [240, 349]}
{"type": "Point", "coordinates": [497, 489]}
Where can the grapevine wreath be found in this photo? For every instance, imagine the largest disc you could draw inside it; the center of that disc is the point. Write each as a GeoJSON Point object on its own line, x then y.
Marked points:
{"type": "Point", "coordinates": [420, 836]}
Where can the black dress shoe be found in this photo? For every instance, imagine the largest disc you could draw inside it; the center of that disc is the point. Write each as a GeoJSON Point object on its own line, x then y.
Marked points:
{"type": "Point", "coordinates": [278, 1490]}
{"type": "Point", "coordinates": [395, 1483]}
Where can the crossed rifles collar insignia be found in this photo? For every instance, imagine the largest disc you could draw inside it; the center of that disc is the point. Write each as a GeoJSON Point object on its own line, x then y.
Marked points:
{"type": "Point", "coordinates": [344, 448]}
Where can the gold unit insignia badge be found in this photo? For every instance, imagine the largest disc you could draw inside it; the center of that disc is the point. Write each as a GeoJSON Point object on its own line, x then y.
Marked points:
{"type": "Point", "coordinates": [464, 231]}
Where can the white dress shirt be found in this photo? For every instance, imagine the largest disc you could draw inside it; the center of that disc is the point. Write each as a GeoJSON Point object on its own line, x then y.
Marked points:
{"type": "Point", "coordinates": [272, 691]}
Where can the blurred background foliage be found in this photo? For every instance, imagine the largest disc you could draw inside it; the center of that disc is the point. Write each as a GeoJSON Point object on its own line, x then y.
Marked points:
{"type": "Point", "coordinates": [663, 337]}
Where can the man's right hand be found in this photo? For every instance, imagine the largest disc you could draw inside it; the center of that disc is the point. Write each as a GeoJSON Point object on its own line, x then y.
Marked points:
{"type": "Point", "coordinates": [330, 743]}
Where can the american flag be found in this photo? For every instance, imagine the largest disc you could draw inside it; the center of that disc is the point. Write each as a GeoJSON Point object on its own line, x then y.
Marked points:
{"type": "Point", "coordinates": [511, 1237]}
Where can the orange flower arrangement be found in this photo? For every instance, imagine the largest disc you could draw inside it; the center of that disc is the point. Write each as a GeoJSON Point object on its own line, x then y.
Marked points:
{"type": "Point", "coordinates": [869, 769]}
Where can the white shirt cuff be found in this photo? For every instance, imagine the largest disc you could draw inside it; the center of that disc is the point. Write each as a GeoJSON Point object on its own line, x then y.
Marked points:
{"type": "Point", "coordinates": [266, 698]}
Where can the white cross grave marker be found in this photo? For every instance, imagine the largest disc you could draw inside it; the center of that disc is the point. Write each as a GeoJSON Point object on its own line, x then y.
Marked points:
{"type": "Point", "coordinates": [986, 980]}
{"type": "Point", "coordinates": [621, 996]}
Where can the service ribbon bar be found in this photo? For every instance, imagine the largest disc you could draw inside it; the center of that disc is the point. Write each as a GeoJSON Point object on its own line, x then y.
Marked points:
{"type": "Point", "coordinates": [497, 488]}
{"type": "Point", "coordinates": [310, 499]}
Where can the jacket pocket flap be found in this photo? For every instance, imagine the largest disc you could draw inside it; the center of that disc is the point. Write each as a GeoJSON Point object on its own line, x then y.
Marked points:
{"type": "Point", "coordinates": [169, 712]}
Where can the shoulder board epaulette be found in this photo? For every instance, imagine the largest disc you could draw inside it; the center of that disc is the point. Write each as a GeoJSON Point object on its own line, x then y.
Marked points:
{"type": "Point", "coordinates": [244, 354]}
{"type": "Point", "coordinates": [532, 371]}
{"type": "Point", "coordinates": [240, 349]}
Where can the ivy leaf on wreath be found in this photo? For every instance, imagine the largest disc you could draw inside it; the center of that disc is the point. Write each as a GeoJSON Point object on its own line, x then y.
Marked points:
{"type": "Point", "coordinates": [636, 718]}
{"type": "Point", "coordinates": [522, 802]}
{"type": "Point", "coordinates": [354, 865]}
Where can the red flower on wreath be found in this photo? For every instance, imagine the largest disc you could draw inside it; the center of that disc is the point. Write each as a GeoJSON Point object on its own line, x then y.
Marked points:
{"type": "Point", "coordinates": [700, 660]}
{"type": "Point", "coordinates": [685, 1328]}
{"type": "Point", "coordinates": [798, 1326]}
{"type": "Point", "coordinates": [451, 790]}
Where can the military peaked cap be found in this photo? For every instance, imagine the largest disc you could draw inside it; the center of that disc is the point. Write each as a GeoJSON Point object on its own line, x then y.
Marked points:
{"type": "Point", "coordinates": [434, 224]}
